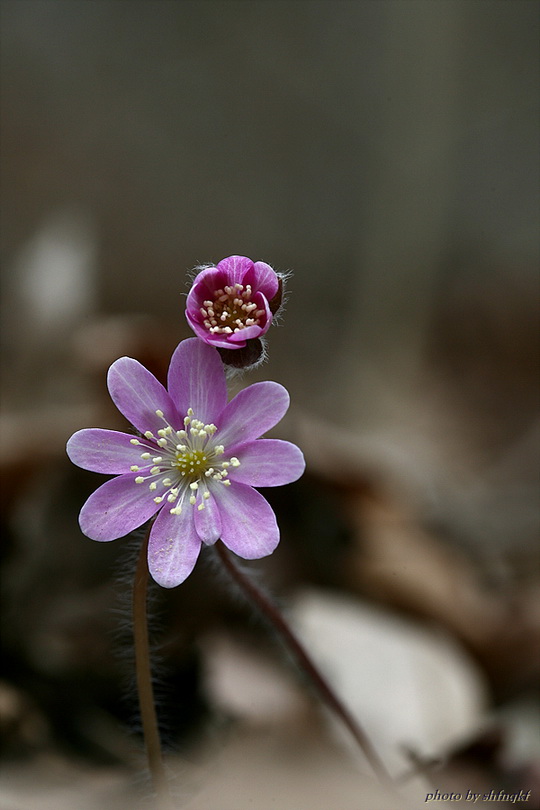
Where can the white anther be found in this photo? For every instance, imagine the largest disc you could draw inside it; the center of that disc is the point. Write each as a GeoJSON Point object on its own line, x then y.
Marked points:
{"type": "Point", "coordinates": [171, 498]}
{"type": "Point", "coordinates": [146, 455]}
{"type": "Point", "coordinates": [182, 448]}
{"type": "Point", "coordinates": [200, 507]}
{"type": "Point", "coordinates": [176, 510]}
{"type": "Point", "coordinates": [134, 441]}
{"type": "Point", "coordinates": [190, 411]}
{"type": "Point", "coordinates": [194, 485]}
{"type": "Point", "coordinates": [155, 470]}
{"type": "Point", "coordinates": [134, 468]}
{"type": "Point", "coordinates": [159, 413]}
{"type": "Point", "coordinates": [227, 330]}
{"type": "Point", "coordinates": [225, 464]}
{"type": "Point", "coordinates": [162, 442]}
{"type": "Point", "coordinates": [158, 499]}
{"type": "Point", "coordinates": [166, 482]}
{"type": "Point", "coordinates": [234, 462]}
{"type": "Point", "coordinates": [219, 449]}
{"type": "Point", "coordinates": [162, 432]}
{"type": "Point", "coordinates": [227, 483]}
{"type": "Point", "coordinates": [152, 486]}
{"type": "Point", "coordinates": [207, 303]}
{"type": "Point", "coordinates": [149, 434]}
{"type": "Point", "coordinates": [206, 495]}
{"type": "Point", "coordinates": [157, 459]}
{"type": "Point", "coordinates": [139, 479]}
{"type": "Point", "coordinates": [192, 500]}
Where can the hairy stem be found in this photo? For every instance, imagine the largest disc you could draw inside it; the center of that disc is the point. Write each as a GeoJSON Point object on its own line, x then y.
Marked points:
{"type": "Point", "coordinates": [265, 605]}
{"type": "Point", "coordinates": [144, 679]}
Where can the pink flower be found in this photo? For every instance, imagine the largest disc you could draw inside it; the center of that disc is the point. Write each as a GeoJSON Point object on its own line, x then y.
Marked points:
{"type": "Point", "coordinates": [233, 302]}
{"type": "Point", "coordinates": [195, 462]}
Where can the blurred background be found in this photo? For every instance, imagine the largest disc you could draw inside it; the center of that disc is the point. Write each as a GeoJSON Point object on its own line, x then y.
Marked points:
{"type": "Point", "coordinates": [385, 152]}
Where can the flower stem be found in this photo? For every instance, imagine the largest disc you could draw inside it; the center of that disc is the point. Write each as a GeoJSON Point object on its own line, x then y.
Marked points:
{"type": "Point", "coordinates": [326, 693]}
{"type": "Point", "coordinates": [144, 680]}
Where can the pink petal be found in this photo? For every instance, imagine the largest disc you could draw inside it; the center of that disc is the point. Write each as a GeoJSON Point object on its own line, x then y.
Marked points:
{"type": "Point", "coordinates": [265, 280]}
{"type": "Point", "coordinates": [246, 333]}
{"type": "Point", "coordinates": [235, 268]}
{"type": "Point", "coordinates": [116, 508]}
{"type": "Point", "coordinates": [208, 521]}
{"type": "Point", "coordinates": [267, 463]}
{"type": "Point", "coordinates": [173, 547]}
{"type": "Point", "coordinates": [197, 380]}
{"type": "Point", "coordinates": [248, 524]}
{"type": "Point", "coordinates": [251, 413]}
{"type": "Point", "coordinates": [202, 332]}
{"type": "Point", "coordinates": [137, 394]}
{"type": "Point", "coordinates": [104, 451]}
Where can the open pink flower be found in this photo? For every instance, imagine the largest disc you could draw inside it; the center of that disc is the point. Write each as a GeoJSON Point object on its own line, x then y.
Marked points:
{"type": "Point", "coordinates": [232, 302]}
{"type": "Point", "coordinates": [195, 462]}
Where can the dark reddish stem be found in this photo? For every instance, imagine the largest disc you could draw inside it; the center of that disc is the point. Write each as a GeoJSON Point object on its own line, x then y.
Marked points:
{"type": "Point", "coordinates": [144, 679]}
{"type": "Point", "coordinates": [265, 605]}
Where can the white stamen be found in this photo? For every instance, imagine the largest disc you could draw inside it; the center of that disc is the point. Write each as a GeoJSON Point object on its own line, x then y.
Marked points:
{"type": "Point", "coordinates": [139, 479]}
{"type": "Point", "coordinates": [134, 441]}
{"type": "Point", "coordinates": [134, 468]}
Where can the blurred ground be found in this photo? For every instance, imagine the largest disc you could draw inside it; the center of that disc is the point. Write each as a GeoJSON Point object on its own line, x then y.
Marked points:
{"type": "Point", "coordinates": [387, 153]}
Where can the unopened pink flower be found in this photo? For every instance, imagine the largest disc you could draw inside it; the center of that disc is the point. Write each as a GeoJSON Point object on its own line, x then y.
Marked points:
{"type": "Point", "coordinates": [233, 302]}
{"type": "Point", "coordinates": [195, 462]}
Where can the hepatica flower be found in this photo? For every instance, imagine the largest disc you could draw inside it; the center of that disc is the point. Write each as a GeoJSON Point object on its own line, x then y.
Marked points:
{"type": "Point", "coordinates": [194, 462]}
{"type": "Point", "coordinates": [233, 302]}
